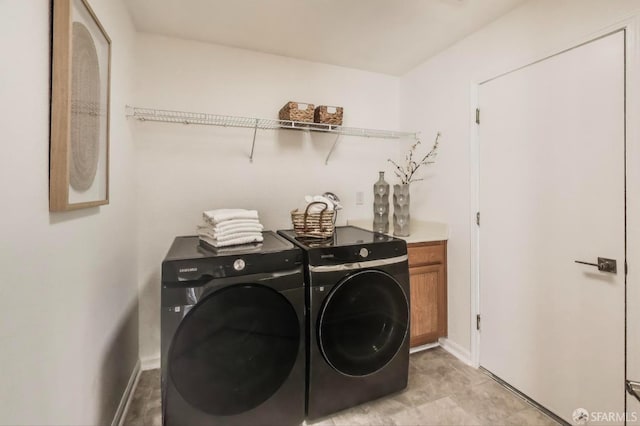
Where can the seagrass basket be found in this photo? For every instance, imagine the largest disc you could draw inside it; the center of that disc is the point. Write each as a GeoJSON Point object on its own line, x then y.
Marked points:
{"type": "Point", "coordinates": [314, 225]}
{"type": "Point", "coordinates": [328, 115]}
{"type": "Point", "coordinates": [297, 111]}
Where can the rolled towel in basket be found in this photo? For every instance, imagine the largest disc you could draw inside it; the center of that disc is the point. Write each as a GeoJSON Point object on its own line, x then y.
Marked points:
{"type": "Point", "coordinates": [221, 215]}
{"type": "Point", "coordinates": [317, 208]}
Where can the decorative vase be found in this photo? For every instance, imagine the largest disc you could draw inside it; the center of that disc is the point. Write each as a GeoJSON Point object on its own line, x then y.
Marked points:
{"type": "Point", "coordinates": [381, 205]}
{"type": "Point", "coordinates": [401, 217]}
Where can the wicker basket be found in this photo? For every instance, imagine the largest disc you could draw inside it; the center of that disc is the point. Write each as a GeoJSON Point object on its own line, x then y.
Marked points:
{"type": "Point", "coordinates": [328, 115]}
{"type": "Point", "coordinates": [295, 111]}
{"type": "Point", "coordinates": [314, 225]}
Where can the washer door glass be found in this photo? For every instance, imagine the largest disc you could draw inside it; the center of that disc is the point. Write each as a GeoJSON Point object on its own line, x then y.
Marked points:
{"type": "Point", "coordinates": [363, 323]}
{"type": "Point", "coordinates": [234, 349]}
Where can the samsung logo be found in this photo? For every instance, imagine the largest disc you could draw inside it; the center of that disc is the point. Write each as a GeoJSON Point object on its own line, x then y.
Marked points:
{"type": "Point", "coordinates": [188, 270]}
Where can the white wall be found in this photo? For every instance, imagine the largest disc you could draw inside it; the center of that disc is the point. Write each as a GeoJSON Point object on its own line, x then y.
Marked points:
{"type": "Point", "coordinates": [437, 95]}
{"type": "Point", "coordinates": [68, 308]}
{"type": "Point", "coordinates": [183, 170]}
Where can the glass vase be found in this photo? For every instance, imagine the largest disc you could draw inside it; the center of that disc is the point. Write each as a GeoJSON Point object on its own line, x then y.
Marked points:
{"type": "Point", "coordinates": [401, 217]}
{"type": "Point", "coordinates": [381, 205]}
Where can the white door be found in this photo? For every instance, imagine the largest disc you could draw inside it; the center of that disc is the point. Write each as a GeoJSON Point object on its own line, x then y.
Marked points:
{"type": "Point", "coordinates": [633, 332]}
{"type": "Point", "coordinates": [633, 353]}
{"type": "Point", "coordinates": [552, 191]}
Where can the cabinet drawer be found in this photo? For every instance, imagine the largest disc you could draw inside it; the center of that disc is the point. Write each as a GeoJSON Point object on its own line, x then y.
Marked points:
{"type": "Point", "coordinates": [425, 254]}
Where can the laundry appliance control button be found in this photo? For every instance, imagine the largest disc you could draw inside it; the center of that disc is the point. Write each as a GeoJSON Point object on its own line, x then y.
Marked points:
{"type": "Point", "coordinates": [364, 252]}
{"type": "Point", "coordinates": [238, 265]}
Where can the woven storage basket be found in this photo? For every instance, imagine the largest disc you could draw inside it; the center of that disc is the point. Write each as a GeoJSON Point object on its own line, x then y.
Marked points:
{"type": "Point", "coordinates": [328, 115]}
{"type": "Point", "coordinates": [295, 111]}
{"type": "Point", "coordinates": [314, 225]}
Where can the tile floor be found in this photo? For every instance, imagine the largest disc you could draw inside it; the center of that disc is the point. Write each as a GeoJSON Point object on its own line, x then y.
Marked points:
{"type": "Point", "coordinates": [442, 391]}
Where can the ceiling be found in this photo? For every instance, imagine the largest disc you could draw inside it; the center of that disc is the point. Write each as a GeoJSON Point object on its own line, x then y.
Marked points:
{"type": "Point", "coordinates": [386, 36]}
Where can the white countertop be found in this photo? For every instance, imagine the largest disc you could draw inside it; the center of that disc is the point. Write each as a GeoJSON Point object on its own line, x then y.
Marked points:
{"type": "Point", "coordinates": [421, 231]}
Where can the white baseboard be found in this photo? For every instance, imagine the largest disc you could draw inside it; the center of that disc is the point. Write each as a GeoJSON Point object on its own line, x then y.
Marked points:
{"type": "Point", "coordinates": [121, 412]}
{"type": "Point", "coordinates": [456, 350]}
{"type": "Point", "coordinates": [150, 363]}
{"type": "Point", "coordinates": [423, 347]}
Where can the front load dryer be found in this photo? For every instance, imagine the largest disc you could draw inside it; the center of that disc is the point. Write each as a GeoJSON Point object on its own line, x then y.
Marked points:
{"type": "Point", "coordinates": [358, 302]}
{"type": "Point", "coordinates": [232, 334]}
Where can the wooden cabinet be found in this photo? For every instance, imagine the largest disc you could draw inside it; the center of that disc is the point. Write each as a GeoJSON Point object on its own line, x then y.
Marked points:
{"type": "Point", "coordinates": [428, 277]}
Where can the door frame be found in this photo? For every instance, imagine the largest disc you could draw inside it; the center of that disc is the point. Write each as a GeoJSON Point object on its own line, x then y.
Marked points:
{"type": "Point", "coordinates": [631, 27]}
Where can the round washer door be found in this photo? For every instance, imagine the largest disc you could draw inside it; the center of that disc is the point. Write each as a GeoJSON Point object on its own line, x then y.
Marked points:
{"type": "Point", "coordinates": [234, 349]}
{"type": "Point", "coordinates": [363, 323]}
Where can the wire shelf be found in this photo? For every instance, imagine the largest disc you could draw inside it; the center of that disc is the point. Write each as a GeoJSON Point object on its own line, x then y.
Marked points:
{"type": "Point", "coordinates": [199, 118]}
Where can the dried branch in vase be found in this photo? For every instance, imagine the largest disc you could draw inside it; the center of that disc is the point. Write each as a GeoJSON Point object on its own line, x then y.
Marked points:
{"type": "Point", "coordinates": [407, 173]}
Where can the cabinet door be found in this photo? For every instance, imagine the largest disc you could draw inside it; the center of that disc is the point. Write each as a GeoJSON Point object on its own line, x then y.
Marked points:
{"type": "Point", "coordinates": [428, 304]}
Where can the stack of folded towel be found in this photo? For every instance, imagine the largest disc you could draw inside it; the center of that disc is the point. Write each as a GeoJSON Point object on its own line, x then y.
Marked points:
{"type": "Point", "coordinates": [228, 227]}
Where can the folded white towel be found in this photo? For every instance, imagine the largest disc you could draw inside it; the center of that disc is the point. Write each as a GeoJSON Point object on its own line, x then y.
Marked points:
{"type": "Point", "coordinates": [210, 234]}
{"type": "Point", "coordinates": [214, 232]}
{"type": "Point", "coordinates": [230, 225]}
{"type": "Point", "coordinates": [221, 215]}
{"type": "Point", "coordinates": [235, 241]}
{"type": "Point", "coordinates": [231, 222]}
{"type": "Point", "coordinates": [243, 235]}
{"type": "Point", "coordinates": [242, 248]}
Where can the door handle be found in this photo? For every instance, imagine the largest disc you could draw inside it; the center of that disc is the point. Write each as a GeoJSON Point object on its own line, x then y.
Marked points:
{"type": "Point", "coordinates": [634, 389]}
{"type": "Point", "coordinates": [603, 265]}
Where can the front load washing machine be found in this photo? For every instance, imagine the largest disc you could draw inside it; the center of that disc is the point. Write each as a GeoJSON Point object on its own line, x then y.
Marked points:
{"type": "Point", "coordinates": [232, 334]}
{"type": "Point", "coordinates": [358, 318]}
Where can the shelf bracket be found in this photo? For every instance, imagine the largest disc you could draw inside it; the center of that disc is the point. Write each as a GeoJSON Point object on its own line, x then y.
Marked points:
{"type": "Point", "coordinates": [253, 144]}
{"type": "Point", "coordinates": [332, 148]}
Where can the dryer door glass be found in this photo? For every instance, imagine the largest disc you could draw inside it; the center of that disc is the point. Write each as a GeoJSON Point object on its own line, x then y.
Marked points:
{"type": "Point", "coordinates": [363, 323]}
{"type": "Point", "coordinates": [234, 349]}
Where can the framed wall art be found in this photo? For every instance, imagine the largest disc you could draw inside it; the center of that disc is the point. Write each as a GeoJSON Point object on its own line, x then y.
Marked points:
{"type": "Point", "coordinates": [79, 150]}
